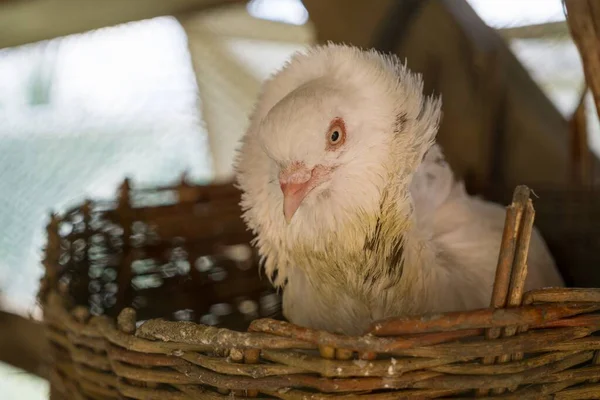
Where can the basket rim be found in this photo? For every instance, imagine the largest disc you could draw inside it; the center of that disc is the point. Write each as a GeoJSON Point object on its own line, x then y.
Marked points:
{"type": "Point", "coordinates": [557, 308]}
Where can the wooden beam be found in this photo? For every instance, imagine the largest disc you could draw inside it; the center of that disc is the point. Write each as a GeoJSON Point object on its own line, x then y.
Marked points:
{"type": "Point", "coordinates": [236, 23]}
{"type": "Point", "coordinates": [23, 343]}
{"type": "Point", "coordinates": [224, 105]}
{"type": "Point", "coordinates": [395, 24]}
{"type": "Point", "coordinates": [28, 21]}
{"type": "Point", "coordinates": [495, 115]}
{"type": "Point", "coordinates": [353, 22]}
{"type": "Point", "coordinates": [550, 30]}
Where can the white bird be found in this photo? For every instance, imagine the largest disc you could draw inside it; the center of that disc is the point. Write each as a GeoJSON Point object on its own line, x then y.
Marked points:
{"type": "Point", "coordinates": [357, 216]}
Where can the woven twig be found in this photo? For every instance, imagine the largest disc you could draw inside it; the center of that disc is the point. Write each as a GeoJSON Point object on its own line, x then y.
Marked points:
{"type": "Point", "coordinates": [512, 268]}
{"type": "Point", "coordinates": [442, 368]}
{"type": "Point", "coordinates": [430, 356]}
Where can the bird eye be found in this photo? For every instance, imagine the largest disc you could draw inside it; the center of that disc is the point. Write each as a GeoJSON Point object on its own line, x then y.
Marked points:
{"type": "Point", "coordinates": [336, 134]}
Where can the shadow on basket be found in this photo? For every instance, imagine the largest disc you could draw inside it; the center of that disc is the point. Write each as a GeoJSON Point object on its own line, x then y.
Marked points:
{"type": "Point", "coordinates": [158, 296]}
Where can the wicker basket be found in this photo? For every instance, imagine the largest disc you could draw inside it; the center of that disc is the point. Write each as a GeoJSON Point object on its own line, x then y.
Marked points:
{"type": "Point", "coordinates": [188, 265]}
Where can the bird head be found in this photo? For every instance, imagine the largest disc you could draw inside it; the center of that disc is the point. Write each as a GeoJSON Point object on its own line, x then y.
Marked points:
{"type": "Point", "coordinates": [333, 133]}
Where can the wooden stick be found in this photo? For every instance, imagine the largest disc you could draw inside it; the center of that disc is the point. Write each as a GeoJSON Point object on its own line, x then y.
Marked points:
{"type": "Point", "coordinates": [519, 274]}
{"type": "Point", "coordinates": [252, 356]}
{"type": "Point", "coordinates": [328, 341]}
{"type": "Point", "coordinates": [506, 257]}
{"type": "Point", "coordinates": [477, 319]}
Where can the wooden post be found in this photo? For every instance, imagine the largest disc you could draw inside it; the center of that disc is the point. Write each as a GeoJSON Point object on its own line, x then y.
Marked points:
{"type": "Point", "coordinates": [583, 17]}
{"type": "Point", "coordinates": [581, 166]}
{"type": "Point", "coordinates": [51, 255]}
{"type": "Point", "coordinates": [84, 265]}
{"type": "Point", "coordinates": [124, 273]}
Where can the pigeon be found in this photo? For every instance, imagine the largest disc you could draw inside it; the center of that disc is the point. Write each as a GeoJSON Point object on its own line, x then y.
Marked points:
{"type": "Point", "coordinates": [356, 214]}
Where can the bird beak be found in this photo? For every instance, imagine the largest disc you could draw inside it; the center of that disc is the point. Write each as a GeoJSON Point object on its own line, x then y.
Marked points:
{"type": "Point", "coordinates": [293, 195]}
{"type": "Point", "coordinates": [296, 183]}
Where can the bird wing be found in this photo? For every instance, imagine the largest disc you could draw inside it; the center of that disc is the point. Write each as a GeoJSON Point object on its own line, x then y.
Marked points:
{"type": "Point", "coordinates": [465, 232]}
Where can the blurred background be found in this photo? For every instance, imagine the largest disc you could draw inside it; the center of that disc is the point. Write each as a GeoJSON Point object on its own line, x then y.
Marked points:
{"type": "Point", "coordinates": [92, 92]}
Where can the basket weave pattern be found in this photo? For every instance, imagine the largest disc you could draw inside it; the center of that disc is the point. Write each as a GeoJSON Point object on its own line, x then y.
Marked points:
{"type": "Point", "coordinates": [535, 345]}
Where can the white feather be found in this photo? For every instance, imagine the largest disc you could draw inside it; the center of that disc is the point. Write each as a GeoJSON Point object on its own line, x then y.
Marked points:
{"type": "Point", "coordinates": [391, 232]}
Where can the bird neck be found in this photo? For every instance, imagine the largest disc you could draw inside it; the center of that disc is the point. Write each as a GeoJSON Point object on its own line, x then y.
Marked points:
{"type": "Point", "coordinates": [372, 251]}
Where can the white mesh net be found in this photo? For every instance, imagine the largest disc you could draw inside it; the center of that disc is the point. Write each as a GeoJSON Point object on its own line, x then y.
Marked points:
{"type": "Point", "coordinates": [80, 113]}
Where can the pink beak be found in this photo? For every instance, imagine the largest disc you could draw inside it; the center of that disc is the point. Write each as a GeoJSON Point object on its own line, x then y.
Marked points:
{"type": "Point", "coordinates": [295, 182]}
{"type": "Point", "coordinates": [293, 194]}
